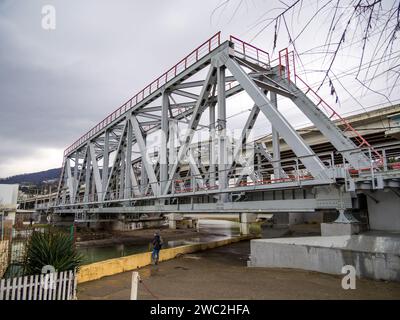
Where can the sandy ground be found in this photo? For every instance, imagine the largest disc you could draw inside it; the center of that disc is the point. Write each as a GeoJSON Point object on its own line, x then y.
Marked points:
{"type": "Point", "coordinates": [222, 273]}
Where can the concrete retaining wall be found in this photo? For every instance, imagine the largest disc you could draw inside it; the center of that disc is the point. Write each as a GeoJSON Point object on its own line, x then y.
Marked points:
{"type": "Point", "coordinates": [110, 267]}
{"type": "Point", "coordinates": [3, 257]}
{"type": "Point", "coordinates": [373, 257]}
{"type": "Point", "coordinates": [384, 214]}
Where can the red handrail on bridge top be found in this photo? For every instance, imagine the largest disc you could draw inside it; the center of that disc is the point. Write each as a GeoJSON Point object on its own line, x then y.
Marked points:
{"type": "Point", "coordinates": [248, 49]}
{"type": "Point", "coordinates": [182, 65]}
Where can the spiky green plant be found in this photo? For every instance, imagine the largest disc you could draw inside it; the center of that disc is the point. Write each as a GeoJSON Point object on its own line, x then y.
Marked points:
{"type": "Point", "coordinates": [50, 248]}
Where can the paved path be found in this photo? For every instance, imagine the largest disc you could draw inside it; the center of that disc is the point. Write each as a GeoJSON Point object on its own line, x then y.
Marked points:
{"type": "Point", "coordinates": [221, 273]}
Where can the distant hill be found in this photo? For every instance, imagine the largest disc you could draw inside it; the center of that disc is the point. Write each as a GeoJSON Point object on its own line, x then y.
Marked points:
{"type": "Point", "coordinates": [36, 178]}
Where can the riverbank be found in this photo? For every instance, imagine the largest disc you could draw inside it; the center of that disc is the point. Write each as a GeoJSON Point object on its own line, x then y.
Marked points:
{"type": "Point", "coordinates": [101, 269]}
{"type": "Point", "coordinates": [222, 273]}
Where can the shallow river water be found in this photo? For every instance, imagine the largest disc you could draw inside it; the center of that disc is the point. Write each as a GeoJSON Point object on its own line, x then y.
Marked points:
{"type": "Point", "coordinates": [217, 230]}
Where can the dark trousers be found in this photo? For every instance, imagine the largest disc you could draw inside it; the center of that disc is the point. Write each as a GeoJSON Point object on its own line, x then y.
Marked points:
{"type": "Point", "coordinates": [155, 254]}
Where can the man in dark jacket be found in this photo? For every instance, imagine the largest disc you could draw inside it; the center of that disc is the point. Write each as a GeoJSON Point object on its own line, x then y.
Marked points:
{"type": "Point", "coordinates": [157, 244]}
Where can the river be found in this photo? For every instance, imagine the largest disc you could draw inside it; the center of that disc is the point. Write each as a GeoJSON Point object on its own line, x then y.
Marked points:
{"type": "Point", "coordinates": [216, 229]}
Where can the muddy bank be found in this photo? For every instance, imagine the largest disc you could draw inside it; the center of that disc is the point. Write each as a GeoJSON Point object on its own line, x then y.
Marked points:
{"type": "Point", "coordinates": [144, 236]}
{"type": "Point", "coordinates": [222, 273]}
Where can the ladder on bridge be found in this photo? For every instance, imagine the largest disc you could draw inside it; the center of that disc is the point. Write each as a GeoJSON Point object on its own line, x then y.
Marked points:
{"type": "Point", "coordinates": [309, 98]}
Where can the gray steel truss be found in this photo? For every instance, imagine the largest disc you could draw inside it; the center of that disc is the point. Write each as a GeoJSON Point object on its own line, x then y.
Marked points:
{"type": "Point", "coordinates": [118, 168]}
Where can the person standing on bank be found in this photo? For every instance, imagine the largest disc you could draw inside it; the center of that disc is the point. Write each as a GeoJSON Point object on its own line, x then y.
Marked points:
{"type": "Point", "coordinates": [157, 244]}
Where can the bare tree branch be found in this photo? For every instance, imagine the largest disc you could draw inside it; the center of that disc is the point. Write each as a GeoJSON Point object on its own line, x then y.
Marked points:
{"type": "Point", "coordinates": [347, 20]}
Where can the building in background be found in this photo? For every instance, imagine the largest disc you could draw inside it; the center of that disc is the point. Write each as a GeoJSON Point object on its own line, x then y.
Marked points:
{"type": "Point", "coordinates": [8, 202]}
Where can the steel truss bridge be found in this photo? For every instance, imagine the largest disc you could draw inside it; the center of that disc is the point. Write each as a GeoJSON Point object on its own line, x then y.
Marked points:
{"type": "Point", "coordinates": [112, 170]}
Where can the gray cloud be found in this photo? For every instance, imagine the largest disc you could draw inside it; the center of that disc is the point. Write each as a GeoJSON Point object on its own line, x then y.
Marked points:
{"type": "Point", "coordinates": [55, 85]}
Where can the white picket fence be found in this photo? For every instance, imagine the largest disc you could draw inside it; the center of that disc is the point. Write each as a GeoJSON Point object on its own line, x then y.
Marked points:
{"type": "Point", "coordinates": [50, 286]}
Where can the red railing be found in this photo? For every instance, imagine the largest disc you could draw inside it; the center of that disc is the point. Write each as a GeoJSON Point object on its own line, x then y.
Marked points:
{"type": "Point", "coordinates": [287, 69]}
{"type": "Point", "coordinates": [289, 63]}
{"type": "Point", "coordinates": [250, 51]}
{"type": "Point", "coordinates": [198, 53]}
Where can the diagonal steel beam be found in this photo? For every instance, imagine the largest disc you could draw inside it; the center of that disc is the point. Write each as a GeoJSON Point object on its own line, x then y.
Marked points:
{"type": "Point", "coordinates": [251, 120]}
{"type": "Point", "coordinates": [247, 168]}
{"type": "Point", "coordinates": [61, 184]}
{"type": "Point", "coordinates": [263, 151]}
{"type": "Point", "coordinates": [145, 157]}
{"type": "Point", "coordinates": [156, 169]}
{"type": "Point", "coordinates": [328, 128]}
{"type": "Point", "coordinates": [292, 138]}
{"type": "Point", "coordinates": [193, 166]}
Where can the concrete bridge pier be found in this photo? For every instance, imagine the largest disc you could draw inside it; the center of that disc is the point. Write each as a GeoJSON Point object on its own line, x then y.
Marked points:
{"type": "Point", "coordinates": [173, 218]}
{"type": "Point", "coordinates": [345, 224]}
{"type": "Point", "coordinates": [245, 220]}
{"type": "Point", "coordinates": [287, 219]}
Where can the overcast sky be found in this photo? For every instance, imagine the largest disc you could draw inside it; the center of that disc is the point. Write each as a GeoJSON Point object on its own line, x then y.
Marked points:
{"type": "Point", "coordinates": [55, 85]}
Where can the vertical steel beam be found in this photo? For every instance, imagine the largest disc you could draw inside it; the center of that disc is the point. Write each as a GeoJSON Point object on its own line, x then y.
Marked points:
{"type": "Point", "coordinates": [221, 127]}
{"type": "Point", "coordinates": [128, 162]}
{"type": "Point", "coordinates": [212, 143]}
{"type": "Point", "coordinates": [76, 169]}
{"type": "Point", "coordinates": [96, 171]}
{"type": "Point", "coordinates": [106, 161]}
{"type": "Point", "coordinates": [121, 167]}
{"type": "Point", "coordinates": [164, 140]}
{"type": "Point", "coordinates": [87, 176]}
{"type": "Point", "coordinates": [276, 149]}
{"type": "Point", "coordinates": [173, 130]}
{"type": "Point", "coordinates": [70, 180]}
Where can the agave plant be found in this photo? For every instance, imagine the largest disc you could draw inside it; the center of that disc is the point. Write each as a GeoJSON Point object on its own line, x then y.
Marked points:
{"type": "Point", "coordinates": [50, 248]}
